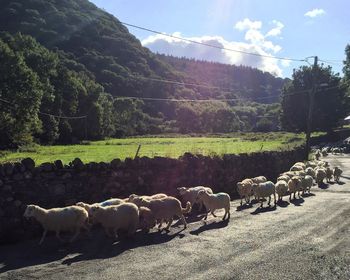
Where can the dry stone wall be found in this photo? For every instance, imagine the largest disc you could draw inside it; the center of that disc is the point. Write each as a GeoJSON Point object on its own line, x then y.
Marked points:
{"type": "Point", "coordinates": [56, 185]}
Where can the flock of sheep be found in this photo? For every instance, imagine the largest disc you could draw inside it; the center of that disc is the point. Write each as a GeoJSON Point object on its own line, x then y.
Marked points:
{"type": "Point", "coordinates": [145, 212]}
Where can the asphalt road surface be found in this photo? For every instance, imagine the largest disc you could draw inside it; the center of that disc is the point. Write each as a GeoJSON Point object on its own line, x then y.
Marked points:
{"type": "Point", "coordinates": [306, 239]}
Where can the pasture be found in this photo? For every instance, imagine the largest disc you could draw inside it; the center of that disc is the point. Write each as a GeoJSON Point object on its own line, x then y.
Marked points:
{"type": "Point", "coordinates": [172, 147]}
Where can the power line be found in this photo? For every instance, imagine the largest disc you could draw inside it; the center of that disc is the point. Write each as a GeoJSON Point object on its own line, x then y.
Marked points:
{"type": "Point", "coordinates": [212, 46]}
{"type": "Point", "coordinates": [219, 100]}
{"type": "Point", "coordinates": [331, 62]}
{"type": "Point", "coordinates": [42, 113]}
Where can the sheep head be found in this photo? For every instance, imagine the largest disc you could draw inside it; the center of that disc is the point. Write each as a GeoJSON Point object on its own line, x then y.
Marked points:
{"type": "Point", "coordinates": [201, 194]}
{"type": "Point", "coordinates": [182, 190]}
{"type": "Point", "coordinates": [30, 211]}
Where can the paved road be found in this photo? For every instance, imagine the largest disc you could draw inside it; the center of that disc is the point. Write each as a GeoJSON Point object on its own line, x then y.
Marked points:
{"type": "Point", "coordinates": [307, 239]}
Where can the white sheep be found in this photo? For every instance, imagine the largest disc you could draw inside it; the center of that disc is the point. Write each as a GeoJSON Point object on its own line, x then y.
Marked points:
{"type": "Point", "coordinates": [164, 209]}
{"type": "Point", "coordinates": [329, 174]}
{"type": "Point", "coordinates": [124, 216]}
{"type": "Point", "coordinates": [215, 201]}
{"type": "Point", "coordinates": [318, 154]}
{"type": "Point", "coordinates": [306, 183]}
{"type": "Point", "coordinates": [71, 218]}
{"type": "Point", "coordinates": [109, 202]}
{"type": "Point", "coordinates": [336, 173]}
{"type": "Point", "coordinates": [301, 164]}
{"type": "Point", "coordinates": [259, 179]}
{"type": "Point", "coordinates": [285, 178]}
{"type": "Point", "coordinates": [296, 168]}
{"type": "Point", "coordinates": [294, 185]}
{"type": "Point", "coordinates": [281, 189]}
{"type": "Point", "coordinates": [310, 171]}
{"type": "Point", "coordinates": [244, 189]}
{"type": "Point", "coordinates": [263, 190]}
{"type": "Point", "coordinates": [139, 200]}
{"type": "Point", "coordinates": [311, 164]}
{"type": "Point", "coordinates": [146, 219]}
{"type": "Point", "coordinates": [320, 175]}
{"type": "Point", "coordinates": [191, 194]}
{"type": "Point", "coordinates": [291, 174]}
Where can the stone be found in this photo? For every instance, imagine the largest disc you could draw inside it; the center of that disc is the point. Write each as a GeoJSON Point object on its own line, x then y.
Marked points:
{"type": "Point", "coordinates": [7, 188]}
{"type": "Point", "coordinates": [140, 181]}
{"type": "Point", "coordinates": [59, 164]}
{"type": "Point", "coordinates": [19, 167]}
{"type": "Point", "coordinates": [47, 166]}
{"type": "Point", "coordinates": [77, 164]}
{"type": "Point", "coordinates": [17, 177]}
{"type": "Point", "coordinates": [115, 163]}
{"type": "Point", "coordinates": [59, 189]}
{"type": "Point", "coordinates": [66, 176]}
{"type": "Point", "coordinates": [8, 169]}
{"type": "Point", "coordinates": [27, 175]}
{"type": "Point", "coordinates": [17, 203]}
{"type": "Point", "coordinates": [28, 163]}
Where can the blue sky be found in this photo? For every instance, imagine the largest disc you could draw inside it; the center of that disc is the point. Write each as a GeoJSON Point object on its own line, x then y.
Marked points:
{"type": "Point", "coordinates": [295, 29]}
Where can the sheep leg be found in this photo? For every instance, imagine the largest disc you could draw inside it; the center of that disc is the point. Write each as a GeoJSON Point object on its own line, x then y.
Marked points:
{"type": "Point", "coordinates": [200, 206]}
{"type": "Point", "coordinates": [290, 197]}
{"type": "Point", "coordinates": [269, 201]}
{"type": "Point", "coordinates": [274, 197]}
{"type": "Point", "coordinates": [206, 215]}
{"type": "Point", "coordinates": [183, 221]}
{"type": "Point", "coordinates": [262, 202]}
{"type": "Point", "coordinates": [228, 213]}
{"type": "Point", "coordinates": [212, 212]}
{"type": "Point", "coordinates": [169, 224]}
{"type": "Point", "coordinates": [43, 237]}
{"type": "Point", "coordinates": [241, 200]}
{"type": "Point", "coordinates": [58, 236]}
{"type": "Point", "coordinates": [108, 232]}
{"type": "Point", "coordinates": [115, 233]}
{"type": "Point", "coordinates": [75, 235]}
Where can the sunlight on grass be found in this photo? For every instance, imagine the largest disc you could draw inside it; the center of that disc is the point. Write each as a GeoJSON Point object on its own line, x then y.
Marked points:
{"type": "Point", "coordinates": [107, 150]}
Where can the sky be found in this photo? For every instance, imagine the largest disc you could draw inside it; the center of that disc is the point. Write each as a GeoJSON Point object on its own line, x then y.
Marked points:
{"type": "Point", "coordinates": [283, 28]}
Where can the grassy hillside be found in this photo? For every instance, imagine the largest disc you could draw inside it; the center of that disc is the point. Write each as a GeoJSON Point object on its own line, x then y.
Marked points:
{"type": "Point", "coordinates": [167, 147]}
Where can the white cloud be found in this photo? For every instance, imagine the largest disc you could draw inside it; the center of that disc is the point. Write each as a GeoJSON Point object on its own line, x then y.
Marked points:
{"type": "Point", "coordinates": [314, 13]}
{"type": "Point", "coordinates": [276, 30]}
{"type": "Point", "coordinates": [248, 24]}
{"type": "Point", "coordinates": [254, 42]}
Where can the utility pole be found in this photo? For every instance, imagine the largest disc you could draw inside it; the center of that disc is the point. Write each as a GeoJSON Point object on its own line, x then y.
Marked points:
{"type": "Point", "coordinates": [311, 107]}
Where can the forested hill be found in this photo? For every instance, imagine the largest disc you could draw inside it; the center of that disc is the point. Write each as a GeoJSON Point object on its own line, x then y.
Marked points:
{"type": "Point", "coordinates": [94, 38]}
{"type": "Point", "coordinates": [249, 82]}
{"type": "Point", "coordinates": [68, 58]}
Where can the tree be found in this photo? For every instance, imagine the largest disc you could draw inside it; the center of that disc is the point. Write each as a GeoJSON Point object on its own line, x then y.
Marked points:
{"type": "Point", "coordinates": [19, 85]}
{"type": "Point", "coordinates": [330, 105]}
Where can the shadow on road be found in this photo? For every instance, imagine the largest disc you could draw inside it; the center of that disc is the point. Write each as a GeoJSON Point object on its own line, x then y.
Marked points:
{"type": "Point", "coordinates": [297, 201]}
{"type": "Point", "coordinates": [263, 210]}
{"type": "Point", "coordinates": [213, 225]}
{"type": "Point", "coordinates": [244, 206]}
{"type": "Point", "coordinates": [323, 186]}
{"type": "Point", "coordinates": [283, 203]}
{"type": "Point", "coordinates": [98, 246]}
{"type": "Point", "coordinates": [308, 194]}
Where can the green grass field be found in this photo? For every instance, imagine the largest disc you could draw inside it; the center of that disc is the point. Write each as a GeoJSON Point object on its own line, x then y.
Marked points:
{"type": "Point", "coordinates": [158, 146]}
